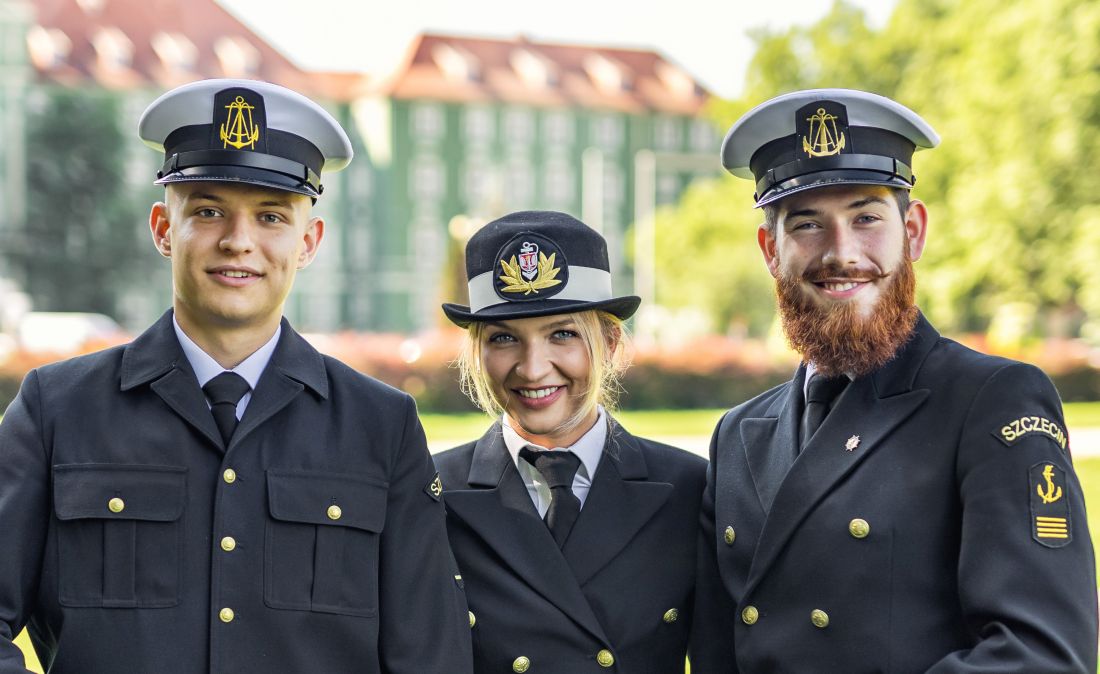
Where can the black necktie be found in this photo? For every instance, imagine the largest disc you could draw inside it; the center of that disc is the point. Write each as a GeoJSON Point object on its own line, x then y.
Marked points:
{"type": "Point", "coordinates": [224, 392]}
{"type": "Point", "coordinates": [558, 469]}
{"type": "Point", "coordinates": [820, 393]}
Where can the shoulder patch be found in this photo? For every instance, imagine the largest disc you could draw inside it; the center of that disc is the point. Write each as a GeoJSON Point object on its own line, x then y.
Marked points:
{"type": "Point", "coordinates": [434, 488]}
{"type": "Point", "coordinates": [1013, 431]}
{"type": "Point", "coordinates": [1048, 491]}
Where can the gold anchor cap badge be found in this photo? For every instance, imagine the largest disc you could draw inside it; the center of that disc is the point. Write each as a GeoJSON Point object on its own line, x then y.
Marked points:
{"type": "Point", "coordinates": [239, 130]}
{"type": "Point", "coordinates": [852, 443]}
{"type": "Point", "coordinates": [823, 138]}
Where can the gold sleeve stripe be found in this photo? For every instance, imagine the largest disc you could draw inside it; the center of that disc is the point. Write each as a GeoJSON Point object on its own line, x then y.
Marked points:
{"type": "Point", "coordinates": [1060, 520]}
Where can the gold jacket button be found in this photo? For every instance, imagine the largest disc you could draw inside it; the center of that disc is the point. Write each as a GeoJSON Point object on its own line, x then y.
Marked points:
{"type": "Point", "coordinates": [750, 615]}
{"type": "Point", "coordinates": [604, 658]}
{"type": "Point", "coordinates": [334, 512]}
{"type": "Point", "coordinates": [230, 476]}
{"type": "Point", "coordinates": [116, 505]}
{"type": "Point", "coordinates": [859, 528]}
{"type": "Point", "coordinates": [229, 544]}
{"type": "Point", "coordinates": [730, 535]}
{"type": "Point", "coordinates": [521, 664]}
{"type": "Point", "coordinates": [671, 615]}
{"type": "Point", "coordinates": [819, 618]}
{"type": "Point", "coordinates": [226, 615]}
{"type": "Point", "coordinates": [473, 619]}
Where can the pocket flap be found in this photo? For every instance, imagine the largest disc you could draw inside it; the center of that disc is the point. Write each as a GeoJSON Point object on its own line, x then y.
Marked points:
{"type": "Point", "coordinates": [327, 498]}
{"type": "Point", "coordinates": [119, 492]}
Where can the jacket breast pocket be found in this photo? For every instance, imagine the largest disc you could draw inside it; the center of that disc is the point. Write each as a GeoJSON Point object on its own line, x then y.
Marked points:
{"type": "Point", "coordinates": [119, 534]}
{"type": "Point", "coordinates": [321, 544]}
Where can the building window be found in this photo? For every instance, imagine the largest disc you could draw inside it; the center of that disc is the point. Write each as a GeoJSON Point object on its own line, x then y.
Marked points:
{"type": "Point", "coordinates": [559, 184]}
{"type": "Point", "coordinates": [703, 136]}
{"type": "Point", "coordinates": [478, 179]}
{"type": "Point", "coordinates": [427, 121]}
{"type": "Point", "coordinates": [558, 128]}
{"type": "Point", "coordinates": [519, 126]}
{"type": "Point", "coordinates": [607, 131]}
{"type": "Point", "coordinates": [666, 134]}
{"type": "Point", "coordinates": [668, 187]}
{"type": "Point", "coordinates": [427, 178]}
{"type": "Point", "coordinates": [519, 184]}
{"type": "Point", "coordinates": [613, 185]}
{"type": "Point", "coordinates": [478, 124]}
{"type": "Point", "coordinates": [237, 56]}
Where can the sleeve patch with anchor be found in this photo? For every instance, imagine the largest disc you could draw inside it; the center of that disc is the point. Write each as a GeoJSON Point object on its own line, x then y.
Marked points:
{"type": "Point", "coordinates": [1013, 431]}
{"type": "Point", "coordinates": [1048, 491]}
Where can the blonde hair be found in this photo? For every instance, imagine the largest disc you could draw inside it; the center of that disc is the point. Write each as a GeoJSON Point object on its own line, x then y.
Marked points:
{"type": "Point", "coordinates": [606, 340]}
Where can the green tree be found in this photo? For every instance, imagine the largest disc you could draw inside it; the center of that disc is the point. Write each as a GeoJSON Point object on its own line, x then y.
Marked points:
{"type": "Point", "coordinates": [82, 238]}
{"type": "Point", "coordinates": [1014, 91]}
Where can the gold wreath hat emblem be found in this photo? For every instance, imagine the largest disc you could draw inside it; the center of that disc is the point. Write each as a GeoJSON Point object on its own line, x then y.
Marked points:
{"type": "Point", "coordinates": [515, 283]}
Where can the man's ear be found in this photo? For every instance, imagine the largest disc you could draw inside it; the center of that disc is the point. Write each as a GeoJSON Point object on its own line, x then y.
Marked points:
{"type": "Point", "coordinates": [916, 228]}
{"type": "Point", "coordinates": [311, 240]}
{"type": "Point", "coordinates": [765, 238]}
{"type": "Point", "coordinates": [160, 228]}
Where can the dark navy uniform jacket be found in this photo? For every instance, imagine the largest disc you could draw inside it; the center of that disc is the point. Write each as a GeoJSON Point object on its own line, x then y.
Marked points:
{"type": "Point", "coordinates": [933, 524]}
{"type": "Point", "coordinates": [617, 598]}
{"type": "Point", "coordinates": [117, 497]}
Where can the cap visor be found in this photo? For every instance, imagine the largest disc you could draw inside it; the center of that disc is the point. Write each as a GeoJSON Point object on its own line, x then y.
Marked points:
{"type": "Point", "coordinates": [621, 307]}
{"type": "Point", "coordinates": [237, 174]}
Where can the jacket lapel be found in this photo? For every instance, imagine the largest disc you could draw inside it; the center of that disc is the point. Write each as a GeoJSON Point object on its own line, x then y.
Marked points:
{"type": "Point", "coordinates": [155, 358]}
{"type": "Point", "coordinates": [499, 509]}
{"type": "Point", "coordinates": [862, 419]}
{"type": "Point", "coordinates": [620, 502]}
{"type": "Point", "coordinates": [771, 443]}
{"type": "Point", "coordinates": [294, 366]}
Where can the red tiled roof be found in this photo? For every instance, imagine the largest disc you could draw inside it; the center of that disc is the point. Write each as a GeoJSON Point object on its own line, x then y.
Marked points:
{"type": "Point", "coordinates": [209, 38]}
{"type": "Point", "coordinates": [649, 81]}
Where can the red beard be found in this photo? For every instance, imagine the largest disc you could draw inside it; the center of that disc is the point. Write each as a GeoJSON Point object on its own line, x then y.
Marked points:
{"type": "Point", "coordinates": [837, 339]}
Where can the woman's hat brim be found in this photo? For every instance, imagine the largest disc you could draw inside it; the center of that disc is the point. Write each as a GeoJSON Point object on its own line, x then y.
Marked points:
{"type": "Point", "coordinates": [621, 307]}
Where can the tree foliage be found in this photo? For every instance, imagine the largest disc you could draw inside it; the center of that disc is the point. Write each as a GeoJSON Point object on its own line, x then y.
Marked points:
{"type": "Point", "coordinates": [80, 243]}
{"type": "Point", "coordinates": [1013, 192]}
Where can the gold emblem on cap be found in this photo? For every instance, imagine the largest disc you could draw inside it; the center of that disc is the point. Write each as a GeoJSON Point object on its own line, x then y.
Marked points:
{"type": "Point", "coordinates": [827, 139]}
{"type": "Point", "coordinates": [238, 129]}
{"type": "Point", "coordinates": [1052, 492]}
{"type": "Point", "coordinates": [852, 443]}
{"type": "Point", "coordinates": [515, 283]}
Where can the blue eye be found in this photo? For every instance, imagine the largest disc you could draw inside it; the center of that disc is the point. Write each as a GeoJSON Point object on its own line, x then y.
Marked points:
{"type": "Point", "coordinates": [208, 213]}
{"type": "Point", "coordinates": [501, 338]}
{"type": "Point", "coordinates": [564, 334]}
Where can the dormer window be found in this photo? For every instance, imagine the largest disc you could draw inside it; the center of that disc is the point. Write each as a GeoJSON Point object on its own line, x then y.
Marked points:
{"type": "Point", "coordinates": [91, 7]}
{"type": "Point", "coordinates": [535, 70]}
{"type": "Point", "coordinates": [114, 50]}
{"type": "Point", "coordinates": [176, 52]}
{"type": "Point", "coordinates": [48, 47]}
{"type": "Point", "coordinates": [610, 76]}
{"type": "Point", "coordinates": [456, 63]}
{"type": "Point", "coordinates": [675, 79]}
{"type": "Point", "coordinates": [237, 56]}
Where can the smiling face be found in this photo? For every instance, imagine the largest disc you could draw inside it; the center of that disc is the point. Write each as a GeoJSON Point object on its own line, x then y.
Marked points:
{"type": "Point", "coordinates": [842, 259]}
{"type": "Point", "coordinates": [235, 250]}
{"type": "Point", "coordinates": [539, 370]}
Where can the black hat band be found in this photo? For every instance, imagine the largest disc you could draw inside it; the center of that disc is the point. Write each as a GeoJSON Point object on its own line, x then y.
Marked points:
{"type": "Point", "coordinates": [888, 166]}
{"type": "Point", "coordinates": [584, 284]}
{"type": "Point", "coordinates": [264, 162]}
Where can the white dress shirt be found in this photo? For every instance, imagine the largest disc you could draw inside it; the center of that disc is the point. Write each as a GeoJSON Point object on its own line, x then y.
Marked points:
{"type": "Point", "coordinates": [589, 449]}
{"type": "Point", "coordinates": [206, 368]}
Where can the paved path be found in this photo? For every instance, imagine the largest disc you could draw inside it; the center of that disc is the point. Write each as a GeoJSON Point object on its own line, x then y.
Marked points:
{"type": "Point", "coordinates": [1083, 442]}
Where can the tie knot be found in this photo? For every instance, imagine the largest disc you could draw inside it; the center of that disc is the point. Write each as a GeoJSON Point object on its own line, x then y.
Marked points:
{"type": "Point", "coordinates": [822, 389]}
{"type": "Point", "coordinates": [557, 468]}
{"type": "Point", "coordinates": [227, 387]}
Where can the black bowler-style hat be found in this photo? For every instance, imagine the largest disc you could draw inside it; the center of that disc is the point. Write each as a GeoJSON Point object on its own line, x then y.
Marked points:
{"type": "Point", "coordinates": [537, 263]}
{"type": "Point", "coordinates": [821, 137]}
{"type": "Point", "coordinates": [244, 131]}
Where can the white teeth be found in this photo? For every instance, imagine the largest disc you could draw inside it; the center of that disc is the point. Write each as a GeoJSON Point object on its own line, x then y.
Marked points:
{"type": "Point", "coordinates": [538, 393]}
{"type": "Point", "coordinates": [840, 287]}
{"type": "Point", "coordinates": [236, 274]}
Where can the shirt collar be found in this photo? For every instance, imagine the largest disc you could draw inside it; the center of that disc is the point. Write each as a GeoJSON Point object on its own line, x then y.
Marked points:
{"type": "Point", "coordinates": [589, 448]}
{"type": "Point", "coordinates": [206, 368]}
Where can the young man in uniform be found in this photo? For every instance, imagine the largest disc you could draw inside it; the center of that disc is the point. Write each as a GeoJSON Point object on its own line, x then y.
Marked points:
{"type": "Point", "coordinates": [217, 496]}
{"type": "Point", "coordinates": [903, 504]}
